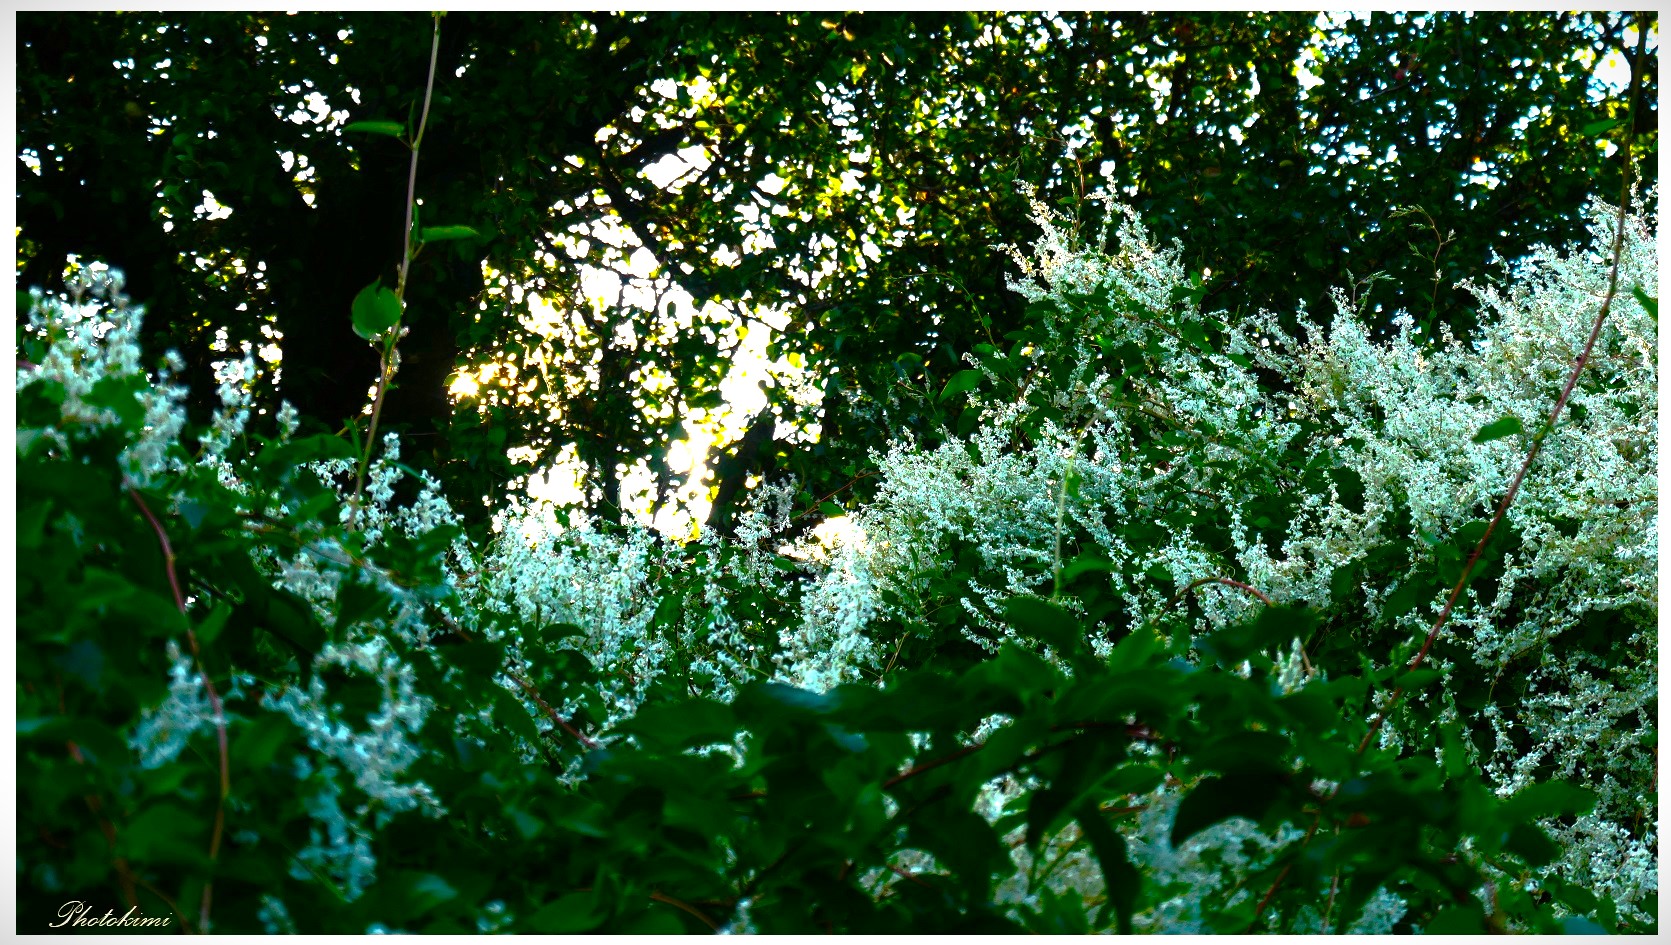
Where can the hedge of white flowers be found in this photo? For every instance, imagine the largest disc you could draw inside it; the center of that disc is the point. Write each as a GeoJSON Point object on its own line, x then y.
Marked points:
{"type": "Point", "coordinates": [1131, 443]}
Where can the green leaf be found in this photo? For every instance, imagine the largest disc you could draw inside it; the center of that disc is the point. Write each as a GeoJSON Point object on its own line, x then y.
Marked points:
{"type": "Point", "coordinates": [1196, 335]}
{"type": "Point", "coordinates": [164, 834]}
{"type": "Point", "coordinates": [1249, 753]}
{"type": "Point", "coordinates": [1132, 779]}
{"type": "Point", "coordinates": [1045, 622]}
{"type": "Point", "coordinates": [1215, 800]}
{"type": "Point", "coordinates": [509, 712]}
{"type": "Point", "coordinates": [1531, 844]}
{"type": "Point", "coordinates": [26, 727]}
{"type": "Point", "coordinates": [575, 912]}
{"type": "Point", "coordinates": [392, 129]}
{"type": "Point", "coordinates": [960, 382]}
{"type": "Point", "coordinates": [258, 743]}
{"type": "Point", "coordinates": [1595, 128]}
{"type": "Point", "coordinates": [357, 602]}
{"type": "Point", "coordinates": [1467, 919]}
{"type": "Point", "coordinates": [436, 234]}
{"type": "Point", "coordinates": [1120, 878]}
{"type": "Point", "coordinates": [1649, 303]}
{"type": "Point", "coordinates": [1418, 679]}
{"type": "Point", "coordinates": [1497, 429]}
{"type": "Point", "coordinates": [1272, 627]}
{"type": "Point", "coordinates": [209, 629]}
{"type": "Point", "coordinates": [1135, 650]}
{"type": "Point", "coordinates": [425, 891]}
{"type": "Point", "coordinates": [691, 723]}
{"type": "Point", "coordinates": [31, 524]}
{"type": "Point", "coordinates": [1017, 670]}
{"type": "Point", "coordinates": [1549, 799]}
{"type": "Point", "coordinates": [290, 619]}
{"type": "Point", "coordinates": [1084, 564]}
{"type": "Point", "coordinates": [376, 310]}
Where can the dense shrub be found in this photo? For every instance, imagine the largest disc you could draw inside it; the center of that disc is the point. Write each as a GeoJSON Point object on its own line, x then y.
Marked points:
{"type": "Point", "coordinates": [1113, 654]}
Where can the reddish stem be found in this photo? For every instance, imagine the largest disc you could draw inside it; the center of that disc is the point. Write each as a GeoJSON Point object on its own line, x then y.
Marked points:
{"type": "Point", "coordinates": [1227, 582]}
{"type": "Point", "coordinates": [685, 907]}
{"type": "Point", "coordinates": [1277, 883]}
{"type": "Point", "coordinates": [528, 687]}
{"type": "Point", "coordinates": [546, 708]}
{"type": "Point", "coordinates": [1537, 441]}
{"type": "Point", "coordinates": [907, 874]}
{"type": "Point", "coordinates": [931, 765]}
{"type": "Point", "coordinates": [208, 686]}
{"type": "Point", "coordinates": [864, 475]}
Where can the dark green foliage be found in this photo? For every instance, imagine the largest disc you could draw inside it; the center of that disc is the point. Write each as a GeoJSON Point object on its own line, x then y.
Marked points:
{"type": "Point", "coordinates": [785, 810]}
{"type": "Point", "coordinates": [1281, 191]}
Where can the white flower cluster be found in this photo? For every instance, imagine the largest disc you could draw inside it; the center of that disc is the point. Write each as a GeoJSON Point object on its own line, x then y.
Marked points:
{"type": "Point", "coordinates": [338, 850]}
{"type": "Point", "coordinates": [1123, 470]}
{"type": "Point", "coordinates": [1004, 495]}
{"type": "Point", "coordinates": [378, 756]}
{"type": "Point", "coordinates": [546, 576]}
{"type": "Point", "coordinates": [1586, 516]}
{"type": "Point", "coordinates": [375, 759]}
{"type": "Point", "coordinates": [1400, 417]}
{"type": "Point", "coordinates": [92, 338]}
{"type": "Point", "coordinates": [164, 730]}
{"type": "Point", "coordinates": [92, 353]}
{"type": "Point", "coordinates": [540, 575]}
{"type": "Point", "coordinates": [274, 916]}
{"type": "Point", "coordinates": [829, 646]}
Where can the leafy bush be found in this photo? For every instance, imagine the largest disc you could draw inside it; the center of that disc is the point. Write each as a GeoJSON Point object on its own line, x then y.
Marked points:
{"type": "Point", "coordinates": [1123, 651]}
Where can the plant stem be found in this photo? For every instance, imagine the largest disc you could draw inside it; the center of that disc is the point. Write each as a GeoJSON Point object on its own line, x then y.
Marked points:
{"type": "Point", "coordinates": [1061, 513]}
{"type": "Point", "coordinates": [1201, 582]}
{"type": "Point", "coordinates": [1554, 414]}
{"type": "Point", "coordinates": [685, 907]}
{"type": "Point", "coordinates": [387, 362]}
{"type": "Point", "coordinates": [209, 688]}
{"type": "Point", "coordinates": [417, 141]}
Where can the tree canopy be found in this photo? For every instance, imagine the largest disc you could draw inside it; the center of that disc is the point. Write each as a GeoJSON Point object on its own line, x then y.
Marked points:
{"type": "Point", "coordinates": [838, 181]}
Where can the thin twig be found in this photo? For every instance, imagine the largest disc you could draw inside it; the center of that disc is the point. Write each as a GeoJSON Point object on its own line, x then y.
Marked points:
{"type": "Point", "coordinates": [850, 483]}
{"type": "Point", "coordinates": [1549, 425]}
{"type": "Point", "coordinates": [417, 141]}
{"type": "Point", "coordinates": [527, 686]}
{"type": "Point", "coordinates": [208, 686]}
{"type": "Point", "coordinates": [1201, 582]}
{"type": "Point", "coordinates": [1328, 910]}
{"type": "Point", "coordinates": [1132, 730]}
{"type": "Point", "coordinates": [685, 907]}
{"type": "Point", "coordinates": [185, 926]}
{"type": "Point", "coordinates": [550, 713]}
{"type": "Point", "coordinates": [386, 363]}
{"type": "Point", "coordinates": [124, 875]}
{"type": "Point", "coordinates": [1227, 582]}
{"type": "Point", "coordinates": [907, 874]}
{"type": "Point", "coordinates": [1277, 883]}
{"type": "Point", "coordinates": [167, 548]}
{"type": "Point", "coordinates": [931, 765]}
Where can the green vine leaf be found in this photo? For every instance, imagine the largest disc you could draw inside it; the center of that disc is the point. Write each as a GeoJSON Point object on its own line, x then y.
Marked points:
{"type": "Point", "coordinates": [376, 310]}
{"type": "Point", "coordinates": [1497, 429]}
{"type": "Point", "coordinates": [390, 129]}
{"type": "Point", "coordinates": [436, 234]}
